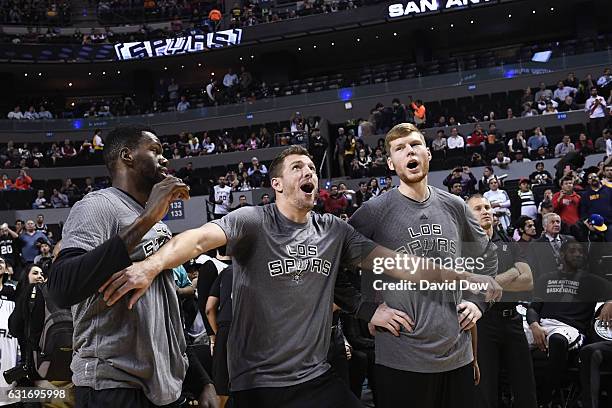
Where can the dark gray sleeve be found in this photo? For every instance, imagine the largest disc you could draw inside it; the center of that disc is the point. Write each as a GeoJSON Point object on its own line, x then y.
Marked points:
{"type": "Point", "coordinates": [92, 221]}
{"type": "Point", "coordinates": [355, 246]}
{"type": "Point", "coordinates": [238, 226]}
{"type": "Point", "coordinates": [363, 221]}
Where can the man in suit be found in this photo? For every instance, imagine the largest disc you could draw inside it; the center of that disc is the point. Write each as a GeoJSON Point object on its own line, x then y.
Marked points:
{"type": "Point", "coordinates": [548, 246]}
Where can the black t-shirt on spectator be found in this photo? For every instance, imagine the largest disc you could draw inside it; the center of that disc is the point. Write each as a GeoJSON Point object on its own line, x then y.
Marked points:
{"type": "Point", "coordinates": [222, 289]}
{"type": "Point", "coordinates": [579, 287]}
{"type": "Point", "coordinates": [508, 253]}
{"type": "Point", "coordinates": [9, 249]}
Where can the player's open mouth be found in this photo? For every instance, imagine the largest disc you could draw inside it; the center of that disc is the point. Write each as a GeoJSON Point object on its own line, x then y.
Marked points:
{"type": "Point", "coordinates": [413, 164]}
{"type": "Point", "coordinates": [307, 187]}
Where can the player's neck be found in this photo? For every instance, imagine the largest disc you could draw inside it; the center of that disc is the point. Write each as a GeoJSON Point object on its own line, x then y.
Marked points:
{"type": "Point", "coordinates": [292, 213]}
{"type": "Point", "coordinates": [489, 232]}
{"type": "Point", "coordinates": [415, 191]}
{"type": "Point", "coordinates": [137, 194]}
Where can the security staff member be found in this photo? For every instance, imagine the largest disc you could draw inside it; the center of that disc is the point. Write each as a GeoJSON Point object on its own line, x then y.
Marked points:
{"type": "Point", "coordinates": [501, 340]}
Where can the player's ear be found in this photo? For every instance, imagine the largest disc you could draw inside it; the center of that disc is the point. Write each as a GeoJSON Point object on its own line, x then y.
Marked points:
{"type": "Point", "coordinates": [428, 154]}
{"type": "Point", "coordinates": [390, 164]}
{"type": "Point", "coordinates": [125, 155]}
{"type": "Point", "coordinates": [277, 184]}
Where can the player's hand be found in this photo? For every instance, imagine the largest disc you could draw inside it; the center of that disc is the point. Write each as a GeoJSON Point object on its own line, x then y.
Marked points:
{"type": "Point", "coordinates": [539, 336]}
{"type": "Point", "coordinates": [469, 314]}
{"type": "Point", "coordinates": [166, 191]}
{"type": "Point", "coordinates": [391, 319]}
{"type": "Point", "coordinates": [605, 315]}
{"type": "Point", "coordinates": [476, 372]}
{"type": "Point", "coordinates": [493, 291]}
{"type": "Point", "coordinates": [208, 398]}
{"type": "Point", "coordinates": [137, 276]}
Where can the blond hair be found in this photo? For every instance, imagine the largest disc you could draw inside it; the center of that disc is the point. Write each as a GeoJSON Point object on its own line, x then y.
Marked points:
{"type": "Point", "coordinates": [398, 131]}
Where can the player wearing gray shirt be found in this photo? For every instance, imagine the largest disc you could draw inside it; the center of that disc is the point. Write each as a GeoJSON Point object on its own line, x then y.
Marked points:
{"type": "Point", "coordinates": [285, 262]}
{"type": "Point", "coordinates": [425, 221]}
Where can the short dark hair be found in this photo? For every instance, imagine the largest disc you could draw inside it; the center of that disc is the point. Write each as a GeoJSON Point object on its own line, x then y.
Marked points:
{"type": "Point", "coordinates": [276, 168]}
{"type": "Point", "coordinates": [522, 221]}
{"type": "Point", "coordinates": [119, 138]}
{"type": "Point", "coordinates": [566, 178]}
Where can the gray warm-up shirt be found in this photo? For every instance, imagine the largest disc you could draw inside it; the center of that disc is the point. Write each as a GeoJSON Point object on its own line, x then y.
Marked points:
{"type": "Point", "coordinates": [284, 276]}
{"type": "Point", "coordinates": [115, 347]}
{"type": "Point", "coordinates": [441, 227]}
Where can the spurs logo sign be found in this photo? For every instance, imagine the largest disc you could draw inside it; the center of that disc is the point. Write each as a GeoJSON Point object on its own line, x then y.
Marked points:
{"type": "Point", "coordinates": [424, 6]}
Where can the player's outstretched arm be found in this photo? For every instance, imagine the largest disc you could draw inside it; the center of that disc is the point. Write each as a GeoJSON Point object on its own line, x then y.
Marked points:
{"type": "Point", "coordinates": [177, 251]}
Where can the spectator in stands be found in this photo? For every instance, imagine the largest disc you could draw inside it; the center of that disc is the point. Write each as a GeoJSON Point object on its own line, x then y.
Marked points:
{"type": "Point", "coordinates": [30, 114]}
{"type": "Point", "coordinates": [40, 202]}
{"type": "Point", "coordinates": [500, 202]}
{"type": "Point", "coordinates": [519, 157]}
{"type": "Point", "coordinates": [252, 142]}
{"type": "Point", "coordinates": [67, 150]}
{"type": "Point", "coordinates": [362, 195]}
{"type": "Point", "coordinates": [6, 183]}
{"type": "Point", "coordinates": [339, 151]}
{"type": "Point", "coordinates": [420, 117]}
{"type": "Point", "coordinates": [365, 129]}
{"type": "Point", "coordinates": [518, 142]}
{"type": "Point", "coordinates": [23, 181]}
{"type": "Point", "coordinates": [544, 103]}
{"type": "Point", "coordinates": [242, 202]}
{"type": "Point", "coordinates": [568, 104]}
{"type": "Point", "coordinates": [605, 80]}
{"type": "Point", "coordinates": [526, 229]}
{"type": "Point", "coordinates": [601, 141]}
{"type": "Point", "coordinates": [476, 160]}
{"type": "Point", "coordinates": [597, 199]}
{"type": "Point", "coordinates": [477, 138]}
{"type": "Point", "coordinates": [501, 160]}
{"type": "Point", "coordinates": [527, 199]}
{"type": "Point", "coordinates": [29, 240]}
{"type": "Point", "coordinates": [550, 109]}
{"type": "Point", "coordinates": [439, 143]}
{"type": "Point", "coordinates": [595, 107]}
{"type": "Point", "coordinates": [193, 145]}
{"type": "Point", "coordinates": [455, 140]}
{"type": "Point", "coordinates": [230, 80]}
{"type": "Point", "coordinates": [335, 203]}
{"type": "Point", "coordinates": [564, 147]}
{"type": "Point", "coordinates": [509, 114]}
{"type": "Point", "coordinates": [265, 199]}
{"type": "Point", "coordinates": [16, 113]}
{"type": "Point", "coordinates": [398, 112]}
{"type": "Point", "coordinates": [318, 147]}
{"type": "Point", "coordinates": [183, 104]}
{"type": "Point", "coordinates": [540, 176]}
{"type": "Point", "coordinates": [537, 140]}
{"type": "Point", "coordinates": [59, 200]}
{"type": "Point", "coordinates": [543, 93]}
{"type": "Point", "coordinates": [529, 110]}
{"type": "Point", "coordinates": [483, 183]}
{"type": "Point", "coordinates": [563, 91]}
{"type": "Point", "coordinates": [186, 174]}
{"type": "Point", "coordinates": [373, 187]}
{"type": "Point", "coordinates": [607, 174]}
{"type": "Point", "coordinates": [71, 190]}
{"type": "Point", "coordinates": [584, 144]}
{"type": "Point", "coordinates": [257, 172]}
{"type": "Point", "coordinates": [40, 225]}
{"type": "Point", "coordinates": [97, 142]}
{"type": "Point", "coordinates": [527, 96]}
{"type": "Point", "coordinates": [566, 202]}
{"type": "Point", "coordinates": [246, 79]}
{"type": "Point", "coordinates": [208, 146]}
{"type": "Point", "coordinates": [572, 81]}
{"type": "Point", "coordinates": [541, 154]}
{"type": "Point", "coordinates": [361, 165]}
{"type": "Point", "coordinates": [211, 91]}
{"type": "Point", "coordinates": [173, 91]}
{"type": "Point", "coordinates": [43, 113]}
{"type": "Point", "coordinates": [44, 252]}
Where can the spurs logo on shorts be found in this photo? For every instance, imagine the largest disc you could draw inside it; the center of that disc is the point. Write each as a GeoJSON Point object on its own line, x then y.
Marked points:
{"type": "Point", "coordinates": [301, 259]}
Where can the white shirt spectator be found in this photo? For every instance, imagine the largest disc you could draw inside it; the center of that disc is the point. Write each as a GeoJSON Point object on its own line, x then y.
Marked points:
{"type": "Point", "coordinates": [97, 141]}
{"type": "Point", "coordinates": [561, 149]}
{"type": "Point", "coordinates": [30, 115]}
{"type": "Point", "coordinates": [501, 163]}
{"type": "Point", "coordinates": [561, 93]}
{"type": "Point", "coordinates": [455, 142]}
{"type": "Point", "coordinates": [209, 91]}
{"type": "Point", "coordinates": [182, 106]}
{"type": "Point", "coordinates": [44, 114]}
{"type": "Point", "coordinates": [605, 79]}
{"type": "Point", "coordinates": [15, 114]}
{"type": "Point", "coordinates": [230, 80]}
{"type": "Point", "coordinates": [609, 147]}
{"type": "Point", "coordinates": [597, 112]}
{"type": "Point", "coordinates": [208, 146]}
{"type": "Point", "coordinates": [542, 104]}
